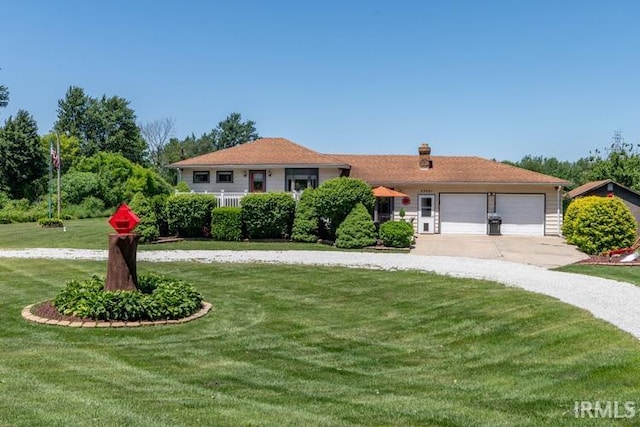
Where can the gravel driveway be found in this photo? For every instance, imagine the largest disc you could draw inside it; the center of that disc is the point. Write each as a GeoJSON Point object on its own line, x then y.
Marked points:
{"type": "Point", "coordinates": [612, 301]}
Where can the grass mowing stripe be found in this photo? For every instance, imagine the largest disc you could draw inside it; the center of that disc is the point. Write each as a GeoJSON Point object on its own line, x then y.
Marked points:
{"type": "Point", "coordinates": [293, 345]}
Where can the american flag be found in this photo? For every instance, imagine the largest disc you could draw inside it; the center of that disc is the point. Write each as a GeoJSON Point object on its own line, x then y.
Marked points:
{"type": "Point", "coordinates": [55, 159]}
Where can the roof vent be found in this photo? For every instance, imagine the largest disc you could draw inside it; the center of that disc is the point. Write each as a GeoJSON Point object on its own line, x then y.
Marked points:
{"type": "Point", "coordinates": [425, 156]}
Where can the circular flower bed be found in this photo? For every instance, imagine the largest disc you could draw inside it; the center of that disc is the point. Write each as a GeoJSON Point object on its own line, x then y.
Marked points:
{"type": "Point", "coordinates": [157, 298]}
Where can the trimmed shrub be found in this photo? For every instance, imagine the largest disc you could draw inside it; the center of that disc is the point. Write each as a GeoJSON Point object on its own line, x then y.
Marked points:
{"type": "Point", "coordinates": [357, 230]}
{"type": "Point", "coordinates": [268, 215]}
{"type": "Point", "coordinates": [189, 215]}
{"type": "Point", "coordinates": [337, 197]}
{"type": "Point", "coordinates": [598, 224]}
{"type": "Point", "coordinates": [159, 205]}
{"type": "Point", "coordinates": [157, 298]}
{"type": "Point", "coordinates": [147, 228]}
{"type": "Point", "coordinates": [396, 234]}
{"type": "Point", "coordinates": [306, 222]}
{"type": "Point", "coordinates": [226, 224]}
{"type": "Point", "coordinates": [182, 187]}
{"type": "Point", "coordinates": [50, 222]}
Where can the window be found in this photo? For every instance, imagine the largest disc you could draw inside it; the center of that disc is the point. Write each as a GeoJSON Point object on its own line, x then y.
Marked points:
{"type": "Point", "coordinates": [257, 181]}
{"type": "Point", "coordinates": [297, 179]}
{"type": "Point", "coordinates": [200, 177]}
{"type": "Point", "coordinates": [224, 176]}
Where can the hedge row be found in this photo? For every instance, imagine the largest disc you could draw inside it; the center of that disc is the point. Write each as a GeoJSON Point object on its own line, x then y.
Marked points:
{"type": "Point", "coordinates": [320, 213]}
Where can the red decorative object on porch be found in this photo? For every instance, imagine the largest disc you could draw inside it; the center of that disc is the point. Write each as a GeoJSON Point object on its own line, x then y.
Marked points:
{"type": "Point", "coordinates": [406, 201]}
{"type": "Point", "coordinates": [124, 220]}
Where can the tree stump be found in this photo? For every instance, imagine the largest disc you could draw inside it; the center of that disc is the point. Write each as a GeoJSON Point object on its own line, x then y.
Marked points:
{"type": "Point", "coordinates": [121, 266]}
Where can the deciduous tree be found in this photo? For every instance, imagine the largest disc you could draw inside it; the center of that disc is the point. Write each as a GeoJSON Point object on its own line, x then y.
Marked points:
{"type": "Point", "coordinates": [105, 124]}
{"type": "Point", "coordinates": [157, 134]}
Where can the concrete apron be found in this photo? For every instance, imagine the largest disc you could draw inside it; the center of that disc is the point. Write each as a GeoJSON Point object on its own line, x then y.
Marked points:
{"type": "Point", "coordinates": [547, 251]}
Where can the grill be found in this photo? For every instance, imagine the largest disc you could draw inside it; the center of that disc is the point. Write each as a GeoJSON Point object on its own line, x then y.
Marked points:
{"type": "Point", "coordinates": [494, 222]}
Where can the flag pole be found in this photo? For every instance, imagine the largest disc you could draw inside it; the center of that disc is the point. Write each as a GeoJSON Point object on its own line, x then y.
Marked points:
{"type": "Point", "coordinates": [50, 177]}
{"type": "Point", "coordinates": [59, 167]}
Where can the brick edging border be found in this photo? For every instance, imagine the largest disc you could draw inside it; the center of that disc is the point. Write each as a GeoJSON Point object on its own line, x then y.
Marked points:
{"type": "Point", "coordinates": [27, 315]}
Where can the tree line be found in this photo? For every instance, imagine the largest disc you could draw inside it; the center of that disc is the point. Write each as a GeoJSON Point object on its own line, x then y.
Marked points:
{"type": "Point", "coordinates": [87, 126]}
{"type": "Point", "coordinates": [620, 161]}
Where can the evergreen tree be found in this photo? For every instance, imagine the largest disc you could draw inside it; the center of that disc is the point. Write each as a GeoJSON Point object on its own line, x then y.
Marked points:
{"type": "Point", "coordinates": [23, 163]}
{"type": "Point", "coordinates": [233, 131]}
{"type": "Point", "coordinates": [4, 96]}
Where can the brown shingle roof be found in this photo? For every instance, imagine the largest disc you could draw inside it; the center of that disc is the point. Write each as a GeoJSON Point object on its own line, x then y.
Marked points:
{"type": "Point", "coordinates": [584, 188]}
{"type": "Point", "coordinates": [374, 169]}
{"type": "Point", "coordinates": [404, 169]}
{"type": "Point", "coordinates": [263, 151]}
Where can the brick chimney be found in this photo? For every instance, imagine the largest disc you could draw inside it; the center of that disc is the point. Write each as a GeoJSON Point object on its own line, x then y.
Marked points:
{"type": "Point", "coordinates": [425, 156]}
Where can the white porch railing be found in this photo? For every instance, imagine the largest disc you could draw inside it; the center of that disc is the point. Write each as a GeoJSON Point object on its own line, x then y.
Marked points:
{"type": "Point", "coordinates": [232, 199]}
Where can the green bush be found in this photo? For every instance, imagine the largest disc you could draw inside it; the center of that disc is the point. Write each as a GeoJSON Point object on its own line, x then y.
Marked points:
{"type": "Point", "coordinates": [396, 234]}
{"type": "Point", "coordinates": [50, 222]}
{"type": "Point", "coordinates": [182, 187]}
{"type": "Point", "coordinates": [91, 207]}
{"type": "Point", "coordinates": [22, 210]}
{"type": "Point", "coordinates": [147, 228]}
{"type": "Point", "coordinates": [189, 215]}
{"type": "Point", "coordinates": [159, 205]}
{"type": "Point", "coordinates": [226, 224]}
{"type": "Point", "coordinates": [599, 224]}
{"type": "Point", "coordinates": [268, 215]}
{"type": "Point", "coordinates": [306, 221]}
{"type": "Point", "coordinates": [357, 230]}
{"type": "Point", "coordinates": [119, 178]}
{"type": "Point", "coordinates": [77, 186]}
{"type": "Point", "coordinates": [337, 197]}
{"type": "Point", "coordinates": [157, 298]}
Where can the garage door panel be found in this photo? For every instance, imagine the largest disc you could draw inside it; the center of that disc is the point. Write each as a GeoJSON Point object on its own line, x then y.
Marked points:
{"type": "Point", "coordinates": [522, 214]}
{"type": "Point", "coordinates": [463, 213]}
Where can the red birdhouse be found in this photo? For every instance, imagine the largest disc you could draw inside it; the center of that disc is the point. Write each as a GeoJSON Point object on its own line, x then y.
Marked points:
{"type": "Point", "coordinates": [124, 220]}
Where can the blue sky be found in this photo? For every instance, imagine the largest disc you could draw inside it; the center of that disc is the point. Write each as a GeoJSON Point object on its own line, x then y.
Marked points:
{"type": "Point", "coordinates": [497, 79]}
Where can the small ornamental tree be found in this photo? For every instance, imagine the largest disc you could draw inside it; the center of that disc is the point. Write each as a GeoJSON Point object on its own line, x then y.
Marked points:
{"type": "Point", "coordinates": [599, 224]}
{"type": "Point", "coordinates": [306, 221]}
{"type": "Point", "coordinates": [337, 197]}
{"type": "Point", "coordinates": [357, 230]}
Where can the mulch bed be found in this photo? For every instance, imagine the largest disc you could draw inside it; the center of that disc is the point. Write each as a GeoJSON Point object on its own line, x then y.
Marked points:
{"type": "Point", "coordinates": [607, 260]}
{"type": "Point", "coordinates": [48, 311]}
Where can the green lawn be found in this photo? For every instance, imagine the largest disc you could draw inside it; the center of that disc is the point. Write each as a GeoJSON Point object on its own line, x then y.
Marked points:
{"type": "Point", "coordinates": [630, 274]}
{"type": "Point", "coordinates": [92, 234]}
{"type": "Point", "coordinates": [300, 345]}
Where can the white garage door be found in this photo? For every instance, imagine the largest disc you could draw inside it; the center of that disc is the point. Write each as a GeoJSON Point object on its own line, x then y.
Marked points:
{"type": "Point", "coordinates": [463, 213]}
{"type": "Point", "coordinates": [522, 214]}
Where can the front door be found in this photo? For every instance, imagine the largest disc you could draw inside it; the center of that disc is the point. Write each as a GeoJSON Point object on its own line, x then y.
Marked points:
{"type": "Point", "coordinates": [426, 218]}
{"type": "Point", "coordinates": [257, 181]}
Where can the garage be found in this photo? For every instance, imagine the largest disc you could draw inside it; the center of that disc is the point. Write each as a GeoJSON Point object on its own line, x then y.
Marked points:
{"type": "Point", "coordinates": [463, 213]}
{"type": "Point", "coordinates": [522, 214]}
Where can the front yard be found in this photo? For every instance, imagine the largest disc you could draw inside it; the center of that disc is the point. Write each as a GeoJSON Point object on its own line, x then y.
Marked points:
{"type": "Point", "coordinates": [301, 345]}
